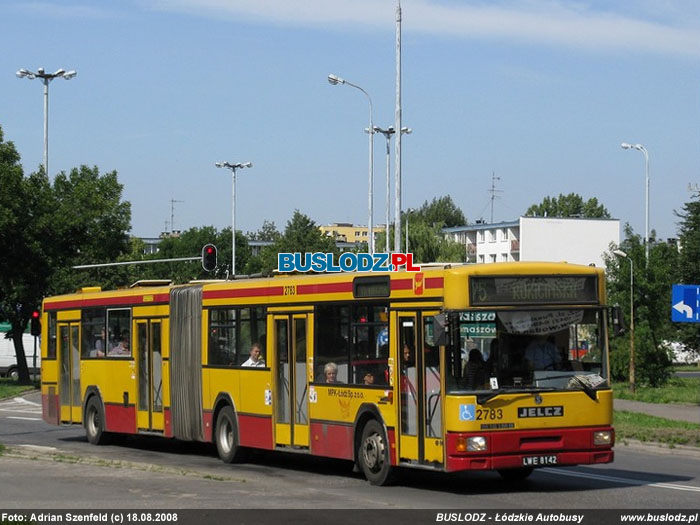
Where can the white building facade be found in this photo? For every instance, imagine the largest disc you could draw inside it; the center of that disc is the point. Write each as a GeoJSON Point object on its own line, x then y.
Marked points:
{"type": "Point", "coordinates": [574, 240]}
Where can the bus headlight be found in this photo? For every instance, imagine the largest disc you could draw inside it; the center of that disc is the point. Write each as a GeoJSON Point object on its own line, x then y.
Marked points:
{"type": "Point", "coordinates": [602, 438]}
{"type": "Point", "coordinates": [476, 444]}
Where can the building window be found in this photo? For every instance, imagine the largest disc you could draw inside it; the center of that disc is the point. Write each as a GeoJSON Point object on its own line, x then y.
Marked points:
{"type": "Point", "coordinates": [481, 258]}
{"type": "Point", "coordinates": [480, 236]}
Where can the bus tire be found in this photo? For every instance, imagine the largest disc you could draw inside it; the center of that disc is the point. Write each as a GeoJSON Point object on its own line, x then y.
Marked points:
{"type": "Point", "coordinates": [94, 422]}
{"type": "Point", "coordinates": [515, 474]}
{"type": "Point", "coordinates": [373, 454]}
{"type": "Point", "coordinates": [226, 436]}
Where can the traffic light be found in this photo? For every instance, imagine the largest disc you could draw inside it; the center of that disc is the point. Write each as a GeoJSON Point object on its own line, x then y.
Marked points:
{"type": "Point", "coordinates": [209, 257]}
{"type": "Point", "coordinates": [35, 328]}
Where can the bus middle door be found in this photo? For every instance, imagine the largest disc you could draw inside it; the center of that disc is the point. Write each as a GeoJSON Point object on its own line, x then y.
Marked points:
{"type": "Point", "coordinates": [420, 391]}
{"type": "Point", "coordinates": [290, 405]}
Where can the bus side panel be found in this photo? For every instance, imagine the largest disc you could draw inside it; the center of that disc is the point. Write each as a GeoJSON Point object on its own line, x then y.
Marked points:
{"type": "Point", "coordinates": [49, 404]}
{"type": "Point", "coordinates": [120, 418]}
{"type": "Point", "coordinates": [117, 380]}
{"type": "Point", "coordinates": [255, 431]}
{"type": "Point", "coordinates": [333, 440]}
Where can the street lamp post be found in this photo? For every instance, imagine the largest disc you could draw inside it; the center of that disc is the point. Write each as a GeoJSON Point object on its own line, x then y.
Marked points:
{"type": "Point", "coordinates": [335, 80]}
{"type": "Point", "coordinates": [46, 78]}
{"type": "Point", "coordinates": [233, 168]}
{"type": "Point", "coordinates": [620, 253]}
{"type": "Point", "coordinates": [388, 132]}
{"type": "Point", "coordinates": [408, 212]}
{"type": "Point", "coordinates": [641, 148]}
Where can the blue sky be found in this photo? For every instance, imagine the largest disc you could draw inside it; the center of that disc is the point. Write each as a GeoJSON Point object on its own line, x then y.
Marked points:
{"type": "Point", "coordinates": [541, 93]}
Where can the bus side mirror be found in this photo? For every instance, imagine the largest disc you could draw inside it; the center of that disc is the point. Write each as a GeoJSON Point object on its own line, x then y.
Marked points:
{"type": "Point", "coordinates": [617, 321]}
{"type": "Point", "coordinates": [440, 330]}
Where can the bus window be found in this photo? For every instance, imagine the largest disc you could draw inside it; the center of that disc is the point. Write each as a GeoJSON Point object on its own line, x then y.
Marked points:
{"type": "Point", "coordinates": [93, 332]}
{"type": "Point", "coordinates": [232, 331]}
{"type": "Point", "coordinates": [526, 348]}
{"type": "Point", "coordinates": [356, 339]}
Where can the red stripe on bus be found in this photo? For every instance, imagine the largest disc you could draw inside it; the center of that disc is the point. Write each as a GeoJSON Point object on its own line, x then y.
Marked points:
{"type": "Point", "coordinates": [434, 282]}
{"type": "Point", "coordinates": [331, 440]}
{"type": "Point", "coordinates": [162, 298]}
{"type": "Point", "coordinates": [402, 284]}
{"type": "Point", "coordinates": [255, 431]}
{"type": "Point", "coordinates": [243, 292]}
{"type": "Point", "coordinates": [120, 418]}
{"type": "Point", "coordinates": [50, 409]}
{"type": "Point", "coordinates": [303, 289]}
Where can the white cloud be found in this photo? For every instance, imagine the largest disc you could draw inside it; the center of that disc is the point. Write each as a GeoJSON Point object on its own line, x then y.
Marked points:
{"type": "Point", "coordinates": [552, 23]}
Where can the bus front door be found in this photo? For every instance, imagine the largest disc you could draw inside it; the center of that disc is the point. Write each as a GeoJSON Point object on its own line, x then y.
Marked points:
{"type": "Point", "coordinates": [290, 405]}
{"type": "Point", "coordinates": [150, 373]}
{"type": "Point", "coordinates": [69, 372]}
{"type": "Point", "coordinates": [420, 391]}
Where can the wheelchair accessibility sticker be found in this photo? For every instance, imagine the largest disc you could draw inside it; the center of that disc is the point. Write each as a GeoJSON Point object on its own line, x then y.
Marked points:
{"type": "Point", "coordinates": [467, 412]}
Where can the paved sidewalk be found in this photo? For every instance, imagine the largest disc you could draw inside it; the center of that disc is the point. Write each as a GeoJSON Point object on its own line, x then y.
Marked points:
{"type": "Point", "coordinates": [690, 413]}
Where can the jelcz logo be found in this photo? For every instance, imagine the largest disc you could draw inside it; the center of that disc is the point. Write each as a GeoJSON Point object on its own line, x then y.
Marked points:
{"type": "Point", "coordinates": [557, 411]}
{"type": "Point", "coordinates": [347, 262]}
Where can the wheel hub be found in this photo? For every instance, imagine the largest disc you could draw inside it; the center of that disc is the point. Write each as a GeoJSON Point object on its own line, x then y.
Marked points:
{"type": "Point", "coordinates": [373, 452]}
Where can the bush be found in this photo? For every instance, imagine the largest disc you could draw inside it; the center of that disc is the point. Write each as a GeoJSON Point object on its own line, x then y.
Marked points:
{"type": "Point", "coordinates": [653, 365]}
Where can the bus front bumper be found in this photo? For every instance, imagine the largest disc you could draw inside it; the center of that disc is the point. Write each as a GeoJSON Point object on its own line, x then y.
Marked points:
{"type": "Point", "coordinates": [529, 448]}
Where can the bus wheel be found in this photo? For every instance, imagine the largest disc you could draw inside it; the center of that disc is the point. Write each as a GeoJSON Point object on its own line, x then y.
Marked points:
{"type": "Point", "coordinates": [13, 374]}
{"type": "Point", "coordinates": [373, 454]}
{"type": "Point", "coordinates": [515, 474]}
{"type": "Point", "coordinates": [95, 422]}
{"type": "Point", "coordinates": [225, 436]}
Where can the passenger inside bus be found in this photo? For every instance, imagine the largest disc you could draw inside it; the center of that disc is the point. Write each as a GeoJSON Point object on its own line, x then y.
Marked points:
{"type": "Point", "coordinates": [122, 349]}
{"type": "Point", "coordinates": [330, 372]}
{"type": "Point", "coordinates": [475, 371]}
{"type": "Point", "coordinates": [255, 359]}
{"type": "Point", "coordinates": [369, 378]}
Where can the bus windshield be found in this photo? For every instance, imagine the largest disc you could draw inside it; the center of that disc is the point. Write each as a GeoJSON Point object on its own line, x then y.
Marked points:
{"type": "Point", "coordinates": [562, 349]}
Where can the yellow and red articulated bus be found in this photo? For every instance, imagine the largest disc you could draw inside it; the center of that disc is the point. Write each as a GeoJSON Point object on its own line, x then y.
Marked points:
{"type": "Point", "coordinates": [500, 366]}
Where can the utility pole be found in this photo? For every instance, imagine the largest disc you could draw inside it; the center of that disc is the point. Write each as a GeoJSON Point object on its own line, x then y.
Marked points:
{"type": "Point", "coordinates": [493, 191]}
{"type": "Point", "coordinates": [172, 215]}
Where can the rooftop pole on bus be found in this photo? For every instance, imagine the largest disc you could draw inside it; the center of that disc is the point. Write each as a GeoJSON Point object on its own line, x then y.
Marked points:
{"type": "Point", "coordinates": [233, 168]}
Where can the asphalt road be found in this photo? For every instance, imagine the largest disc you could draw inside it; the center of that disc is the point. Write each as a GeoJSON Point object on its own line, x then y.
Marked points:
{"type": "Point", "coordinates": [146, 473]}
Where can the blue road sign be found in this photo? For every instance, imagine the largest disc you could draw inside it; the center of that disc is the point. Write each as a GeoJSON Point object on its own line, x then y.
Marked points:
{"type": "Point", "coordinates": [685, 303]}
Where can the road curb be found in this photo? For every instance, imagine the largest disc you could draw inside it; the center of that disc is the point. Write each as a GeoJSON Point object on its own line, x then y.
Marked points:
{"type": "Point", "coordinates": [658, 448]}
{"type": "Point", "coordinates": [42, 453]}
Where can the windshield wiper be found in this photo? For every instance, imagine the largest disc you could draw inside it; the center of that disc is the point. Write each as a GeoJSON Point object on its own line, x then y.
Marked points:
{"type": "Point", "coordinates": [587, 389]}
{"type": "Point", "coordinates": [488, 396]}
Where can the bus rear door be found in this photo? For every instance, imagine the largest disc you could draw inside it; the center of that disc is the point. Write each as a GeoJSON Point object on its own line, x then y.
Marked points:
{"type": "Point", "coordinates": [69, 372]}
{"type": "Point", "coordinates": [150, 373]}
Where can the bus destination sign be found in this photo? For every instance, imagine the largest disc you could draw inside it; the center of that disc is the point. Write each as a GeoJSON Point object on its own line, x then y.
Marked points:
{"type": "Point", "coordinates": [533, 289]}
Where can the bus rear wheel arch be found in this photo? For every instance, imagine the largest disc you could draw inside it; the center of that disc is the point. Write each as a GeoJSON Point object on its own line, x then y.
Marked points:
{"type": "Point", "coordinates": [373, 454]}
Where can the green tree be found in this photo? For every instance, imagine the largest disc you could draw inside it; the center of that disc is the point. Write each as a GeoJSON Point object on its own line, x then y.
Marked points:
{"type": "Point", "coordinates": [300, 235]}
{"type": "Point", "coordinates": [441, 211]}
{"type": "Point", "coordinates": [46, 229]}
{"type": "Point", "coordinates": [652, 297]}
{"type": "Point", "coordinates": [571, 205]}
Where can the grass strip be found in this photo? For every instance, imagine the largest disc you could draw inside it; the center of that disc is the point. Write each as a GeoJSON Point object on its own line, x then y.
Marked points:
{"type": "Point", "coordinates": [10, 388]}
{"type": "Point", "coordinates": [633, 425]}
{"type": "Point", "coordinates": [678, 390]}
